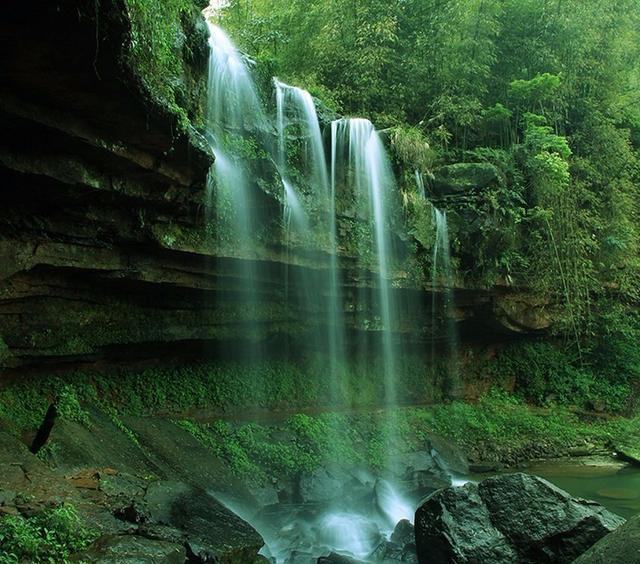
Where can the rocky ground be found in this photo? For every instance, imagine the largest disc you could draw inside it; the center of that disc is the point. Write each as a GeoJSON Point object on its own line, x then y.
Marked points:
{"type": "Point", "coordinates": [151, 492]}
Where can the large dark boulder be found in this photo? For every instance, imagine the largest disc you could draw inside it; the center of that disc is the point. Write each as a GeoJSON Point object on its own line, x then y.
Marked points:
{"type": "Point", "coordinates": [454, 526]}
{"type": "Point", "coordinates": [210, 532]}
{"type": "Point", "coordinates": [623, 545]}
{"type": "Point", "coordinates": [508, 519]}
{"type": "Point", "coordinates": [461, 178]}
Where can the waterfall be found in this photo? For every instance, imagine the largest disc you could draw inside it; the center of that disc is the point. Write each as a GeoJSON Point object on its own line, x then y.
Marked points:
{"type": "Point", "coordinates": [442, 276]}
{"type": "Point", "coordinates": [233, 101]}
{"type": "Point", "coordinates": [234, 113]}
{"type": "Point", "coordinates": [357, 153]}
{"type": "Point", "coordinates": [295, 106]}
{"type": "Point", "coordinates": [420, 184]}
{"type": "Point", "coordinates": [361, 179]}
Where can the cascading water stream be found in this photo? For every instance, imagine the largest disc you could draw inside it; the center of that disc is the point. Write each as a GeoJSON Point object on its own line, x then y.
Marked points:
{"type": "Point", "coordinates": [296, 105]}
{"type": "Point", "coordinates": [357, 153]}
{"type": "Point", "coordinates": [442, 276]}
{"type": "Point", "coordinates": [233, 113]}
{"type": "Point", "coordinates": [420, 184]}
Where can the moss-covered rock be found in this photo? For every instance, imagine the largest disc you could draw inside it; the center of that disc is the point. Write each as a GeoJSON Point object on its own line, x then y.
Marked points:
{"type": "Point", "coordinates": [167, 53]}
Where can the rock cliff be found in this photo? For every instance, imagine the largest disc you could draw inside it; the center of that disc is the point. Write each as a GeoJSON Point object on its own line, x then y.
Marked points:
{"type": "Point", "coordinates": [103, 248]}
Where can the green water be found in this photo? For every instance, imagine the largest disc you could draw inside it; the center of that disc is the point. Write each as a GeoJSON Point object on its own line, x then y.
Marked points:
{"type": "Point", "coordinates": [615, 486]}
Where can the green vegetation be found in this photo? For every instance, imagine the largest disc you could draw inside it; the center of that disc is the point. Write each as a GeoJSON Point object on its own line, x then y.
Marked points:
{"type": "Point", "coordinates": [503, 424]}
{"type": "Point", "coordinates": [603, 375]}
{"type": "Point", "coordinates": [545, 91]}
{"type": "Point", "coordinates": [222, 387]}
{"type": "Point", "coordinates": [499, 425]}
{"type": "Point", "coordinates": [51, 535]}
{"type": "Point", "coordinates": [159, 52]}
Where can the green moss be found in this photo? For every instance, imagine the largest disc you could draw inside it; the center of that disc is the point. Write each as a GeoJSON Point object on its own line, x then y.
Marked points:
{"type": "Point", "coordinates": [502, 423]}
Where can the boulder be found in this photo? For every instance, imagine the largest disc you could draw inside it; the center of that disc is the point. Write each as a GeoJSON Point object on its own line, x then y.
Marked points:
{"type": "Point", "coordinates": [448, 454]}
{"type": "Point", "coordinates": [299, 557]}
{"type": "Point", "coordinates": [454, 526]}
{"type": "Point", "coordinates": [461, 178]}
{"type": "Point", "coordinates": [403, 533]}
{"type": "Point", "coordinates": [541, 519]}
{"type": "Point", "coordinates": [420, 471]}
{"type": "Point", "coordinates": [114, 549]}
{"type": "Point", "coordinates": [386, 551]}
{"type": "Point", "coordinates": [209, 530]}
{"type": "Point", "coordinates": [623, 545]}
{"type": "Point", "coordinates": [506, 519]}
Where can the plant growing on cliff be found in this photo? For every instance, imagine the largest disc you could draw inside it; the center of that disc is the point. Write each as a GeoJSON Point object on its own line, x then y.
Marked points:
{"type": "Point", "coordinates": [49, 536]}
{"type": "Point", "coordinates": [68, 406]}
{"type": "Point", "coordinates": [155, 51]}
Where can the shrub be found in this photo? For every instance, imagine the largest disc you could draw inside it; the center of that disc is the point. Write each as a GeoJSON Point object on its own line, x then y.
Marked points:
{"type": "Point", "coordinates": [49, 536]}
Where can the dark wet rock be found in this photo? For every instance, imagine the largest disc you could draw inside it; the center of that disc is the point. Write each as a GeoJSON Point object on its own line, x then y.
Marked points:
{"type": "Point", "coordinates": [122, 485]}
{"type": "Point", "coordinates": [450, 454]}
{"type": "Point", "coordinates": [287, 490]}
{"type": "Point", "coordinates": [129, 549]}
{"type": "Point", "coordinates": [210, 530]}
{"type": "Point", "coordinates": [543, 520]}
{"type": "Point", "coordinates": [454, 527]}
{"type": "Point", "coordinates": [300, 557]}
{"type": "Point", "coordinates": [507, 519]}
{"type": "Point", "coordinates": [29, 486]}
{"type": "Point", "coordinates": [403, 533]}
{"type": "Point", "coordinates": [319, 486]}
{"type": "Point", "coordinates": [424, 471]}
{"type": "Point", "coordinates": [134, 511]}
{"type": "Point", "coordinates": [420, 471]}
{"type": "Point", "coordinates": [335, 558]}
{"type": "Point", "coordinates": [622, 545]}
{"type": "Point", "coordinates": [101, 444]}
{"type": "Point", "coordinates": [386, 551]}
{"type": "Point", "coordinates": [42, 435]}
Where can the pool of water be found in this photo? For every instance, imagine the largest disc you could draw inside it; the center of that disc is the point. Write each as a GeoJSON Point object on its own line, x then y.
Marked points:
{"type": "Point", "coordinates": [616, 486]}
